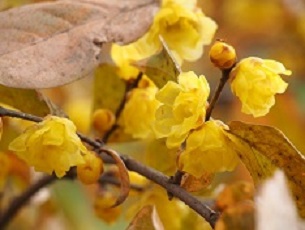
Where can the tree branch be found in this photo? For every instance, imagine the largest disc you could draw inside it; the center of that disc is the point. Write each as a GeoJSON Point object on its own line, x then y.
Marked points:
{"type": "Point", "coordinates": [18, 202]}
{"type": "Point", "coordinates": [208, 214]}
{"type": "Point", "coordinates": [221, 84]}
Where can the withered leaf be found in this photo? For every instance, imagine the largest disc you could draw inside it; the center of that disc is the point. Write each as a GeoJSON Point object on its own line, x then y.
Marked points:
{"type": "Point", "coordinates": [123, 175]}
{"type": "Point", "coordinates": [234, 193]}
{"type": "Point", "coordinates": [147, 218]}
{"type": "Point", "coordinates": [45, 45]}
{"type": "Point", "coordinates": [264, 148]}
{"type": "Point", "coordinates": [109, 89]}
{"type": "Point", "coordinates": [25, 100]}
{"type": "Point", "coordinates": [161, 67]}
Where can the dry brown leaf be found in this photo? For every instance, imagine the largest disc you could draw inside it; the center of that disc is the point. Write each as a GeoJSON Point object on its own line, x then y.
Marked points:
{"type": "Point", "coordinates": [50, 44]}
{"type": "Point", "coordinates": [262, 149]}
{"type": "Point", "coordinates": [193, 184]}
{"type": "Point", "coordinates": [123, 174]}
{"type": "Point", "coordinates": [146, 219]}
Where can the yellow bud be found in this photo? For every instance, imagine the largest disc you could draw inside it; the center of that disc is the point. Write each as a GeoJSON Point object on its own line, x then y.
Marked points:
{"type": "Point", "coordinates": [103, 209]}
{"type": "Point", "coordinates": [103, 120]}
{"type": "Point", "coordinates": [222, 55]}
{"type": "Point", "coordinates": [90, 171]}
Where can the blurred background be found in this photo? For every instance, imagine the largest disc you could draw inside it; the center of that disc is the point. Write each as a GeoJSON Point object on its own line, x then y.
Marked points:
{"type": "Point", "coordinates": [270, 29]}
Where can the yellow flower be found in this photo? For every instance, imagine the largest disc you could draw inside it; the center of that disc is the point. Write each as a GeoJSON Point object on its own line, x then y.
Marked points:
{"type": "Point", "coordinates": [139, 112]}
{"type": "Point", "coordinates": [183, 108]}
{"type": "Point", "coordinates": [91, 170]}
{"type": "Point", "coordinates": [207, 151]}
{"type": "Point", "coordinates": [182, 25]}
{"type": "Point", "coordinates": [222, 55]}
{"type": "Point", "coordinates": [51, 145]}
{"type": "Point", "coordinates": [255, 82]}
{"type": "Point", "coordinates": [103, 209]}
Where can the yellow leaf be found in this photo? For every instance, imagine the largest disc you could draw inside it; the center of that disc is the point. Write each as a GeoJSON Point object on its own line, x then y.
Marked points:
{"type": "Point", "coordinates": [109, 89]}
{"type": "Point", "coordinates": [262, 149]}
{"type": "Point", "coordinates": [26, 100]}
{"type": "Point", "coordinates": [147, 218]}
{"type": "Point", "coordinates": [160, 68]}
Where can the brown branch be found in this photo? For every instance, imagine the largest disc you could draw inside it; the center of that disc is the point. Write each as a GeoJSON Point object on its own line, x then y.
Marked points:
{"type": "Point", "coordinates": [221, 84]}
{"type": "Point", "coordinates": [208, 214]}
{"type": "Point", "coordinates": [129, 87]}
{"type": "Point", "coordinates": [18, 202]}
{"type": "Point", "coordinates": [203, 210]}
{"type": "Point", "coordinates": [176, 179]}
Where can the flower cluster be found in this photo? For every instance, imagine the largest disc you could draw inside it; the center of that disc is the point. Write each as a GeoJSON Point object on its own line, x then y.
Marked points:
{"type": "Point", "coordinates": [51, 145]}
{"type": "Point", "coordinates": [181, 24]}
{"type": "Point", "coordinates": [207, 150]}
{"type": "Point", "coordinates": [183, 107]}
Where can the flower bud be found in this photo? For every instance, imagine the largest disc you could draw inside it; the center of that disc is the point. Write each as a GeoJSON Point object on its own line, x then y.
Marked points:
{"type": "Point", "coordinates": [222, 55]}
{"type": "Point", "coordinates": [90, 171]}
{"type": "Point", "coordinates": [103, 120]}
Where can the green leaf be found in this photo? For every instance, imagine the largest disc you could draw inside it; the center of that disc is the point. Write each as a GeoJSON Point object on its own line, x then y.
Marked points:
{"type": "Point", "coordinates": [25, 100]}
{"type": "Point", "coordinates": [75, 205]}
{"type": "Point", "coordinates": [147, 218]}
{"type": "Point", "coordinates": [109, 89]}
{"type": "Point", "coordinates": [264, 148]}
{"type": "Point", "coordinates": [160, 68]}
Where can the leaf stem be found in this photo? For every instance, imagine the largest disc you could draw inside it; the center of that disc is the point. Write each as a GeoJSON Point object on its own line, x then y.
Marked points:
{"type": "Point", "coordinates": [223, 80]}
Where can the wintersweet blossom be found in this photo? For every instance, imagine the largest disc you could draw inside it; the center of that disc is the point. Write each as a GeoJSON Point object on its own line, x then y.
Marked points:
{"type": "Point", "coordinates": [207, 150]}
{"type": "Point", "coordinates": [182, 25]}
{"type": "Point", "coordinates": [183, 107]}
{"type": "Point", "coordinates": [255, 82]}
{"type": "Point", "coordinates": [50, 145]}
{"type": "Point", "coordinates": [139, 112]}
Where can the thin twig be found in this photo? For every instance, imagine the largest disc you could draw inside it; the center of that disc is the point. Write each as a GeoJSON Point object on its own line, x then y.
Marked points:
{"type": "Point", "coordinates": [176, 179]}
{"type": "Point", "coordinates": [206, 212]}
{"type": "Point", "coordinates": [150, 173]}
{"type": "Point", "coordinates": [221, 84]}
{"type": "Point", "coordinates": [22, 199]}
{"type": "Point", "coordinates": [14, 113]}
{"type": "Point", "coordinates": [119, 110]}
